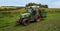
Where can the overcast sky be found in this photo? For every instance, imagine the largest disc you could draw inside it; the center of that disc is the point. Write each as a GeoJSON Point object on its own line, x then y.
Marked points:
{"type": "Point", "coordinates": [50, 3]}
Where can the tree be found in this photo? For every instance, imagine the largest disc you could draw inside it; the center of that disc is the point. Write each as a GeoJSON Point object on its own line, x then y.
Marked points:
{"type": "Point", "coordinates": [32, 4]}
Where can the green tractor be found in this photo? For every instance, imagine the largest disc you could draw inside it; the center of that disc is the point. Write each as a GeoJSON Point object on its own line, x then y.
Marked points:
{"type": "Point", "coordinates": [33, 14]}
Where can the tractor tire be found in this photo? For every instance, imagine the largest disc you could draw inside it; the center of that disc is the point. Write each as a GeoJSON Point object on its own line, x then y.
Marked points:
{"type": "Point", "coordinates": [38, 19]}
{"type": "Point", "coordinates": [25, 22]}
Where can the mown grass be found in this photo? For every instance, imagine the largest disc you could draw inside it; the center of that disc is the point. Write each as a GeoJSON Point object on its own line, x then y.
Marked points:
{"type": "Point", "coordinates": [51, 23]}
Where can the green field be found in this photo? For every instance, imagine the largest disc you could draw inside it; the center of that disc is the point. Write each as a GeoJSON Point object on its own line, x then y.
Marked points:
{"type": "Point", "coordinates": [51, 23]}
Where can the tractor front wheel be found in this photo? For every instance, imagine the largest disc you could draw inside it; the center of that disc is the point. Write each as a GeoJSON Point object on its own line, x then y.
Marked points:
{"type": "Point", "coordinates": [25, 22]}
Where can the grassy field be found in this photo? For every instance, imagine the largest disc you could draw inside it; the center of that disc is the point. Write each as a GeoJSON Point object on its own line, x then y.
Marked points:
{"type": "Point", "coordinates": [51, 23]}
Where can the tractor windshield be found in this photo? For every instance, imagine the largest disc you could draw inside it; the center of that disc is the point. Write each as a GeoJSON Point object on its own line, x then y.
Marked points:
{"type": "Point", "coordinates": [32, 11]}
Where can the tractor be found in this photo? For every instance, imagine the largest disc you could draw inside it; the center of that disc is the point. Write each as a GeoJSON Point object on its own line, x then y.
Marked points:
{"type": "Point", "coordinates": [33, 14]}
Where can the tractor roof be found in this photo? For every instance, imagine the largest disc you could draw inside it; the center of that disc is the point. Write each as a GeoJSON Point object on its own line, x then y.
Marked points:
{"type": "Point", "coordinates": [34, 6]}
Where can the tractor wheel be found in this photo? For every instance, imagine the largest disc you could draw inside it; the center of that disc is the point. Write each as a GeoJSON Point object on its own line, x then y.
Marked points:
{"type": "Point", "coordinates": [25, 22]}
{"type": "Point", "coordinates": [38, 18]}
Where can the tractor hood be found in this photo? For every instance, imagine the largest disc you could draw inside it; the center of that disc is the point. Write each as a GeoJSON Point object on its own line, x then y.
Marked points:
{"type": "Point", "coordinates": [25, 15]}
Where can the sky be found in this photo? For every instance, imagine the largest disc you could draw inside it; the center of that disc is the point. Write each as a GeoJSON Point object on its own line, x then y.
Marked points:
{"type": "Point", "coordinates": [50, 3]}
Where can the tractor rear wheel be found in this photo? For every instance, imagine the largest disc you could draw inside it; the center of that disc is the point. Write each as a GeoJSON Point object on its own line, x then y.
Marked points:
{"type": "Point", "coordinates": [25, 22]}
{"type": "Point", "coordinates": [38, 18]}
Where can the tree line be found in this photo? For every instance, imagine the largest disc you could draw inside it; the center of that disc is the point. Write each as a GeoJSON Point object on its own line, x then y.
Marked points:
{"type": "Point", "coordinates": [40, 5]}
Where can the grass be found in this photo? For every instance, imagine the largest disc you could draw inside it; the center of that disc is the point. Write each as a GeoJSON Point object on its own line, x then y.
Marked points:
{"type": "Point", "coordinates": [51, 23]}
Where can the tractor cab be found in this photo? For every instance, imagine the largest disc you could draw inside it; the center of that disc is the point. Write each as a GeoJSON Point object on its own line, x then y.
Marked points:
{"type": "Point", "coordinates": [33, 10]}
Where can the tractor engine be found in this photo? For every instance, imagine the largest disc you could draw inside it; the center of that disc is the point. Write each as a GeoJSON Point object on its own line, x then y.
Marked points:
{"type": "Point", "coordinates": [25, 15]}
